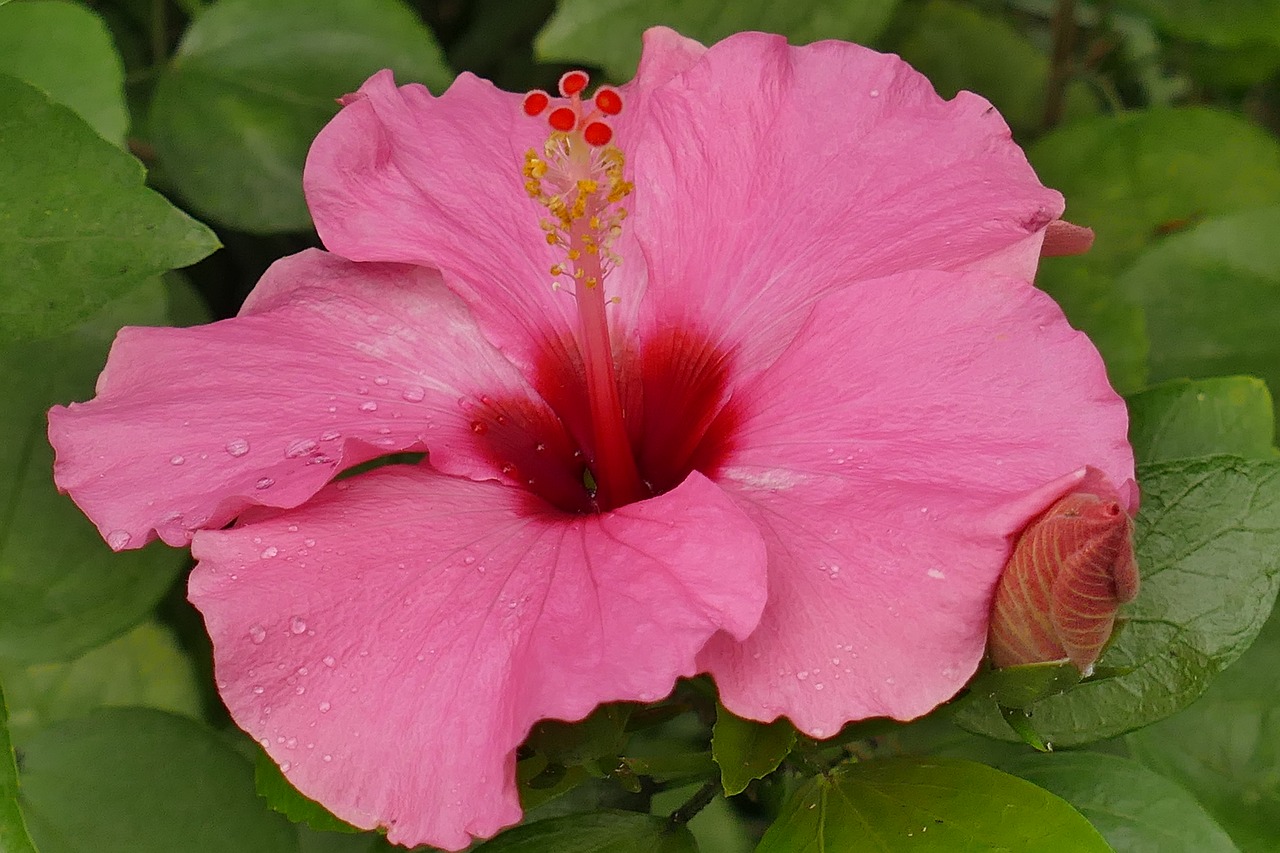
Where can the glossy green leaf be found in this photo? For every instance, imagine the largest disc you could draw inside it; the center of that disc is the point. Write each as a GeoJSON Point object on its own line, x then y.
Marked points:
{"type": "Point", "coordinates": [596, 832]}
{"type": "Point", "coordinates": [282, 797]}
{"type": "Point", "coordinates": [141, 781]}
{"type": "Point", "coordinates": [958, 47]}
{"type": "Point", "coordinates": [1212, 298]}
{"type": "Point", "coordinates": [606, 33]}
{"type": "Point", "coordinates": [1134, 177]}
{"type": "Point", "coordinates": [62, 590]}
{"type": "Point", "coordinates": [251, 85]}
{"type": "Point", "coordinates": [1223, 23]}
{"type": "Point", "coordinates": [1226, 747]}
{"type": "Point", "coordinates": [923, 805]}
{"type": "Point", "coordinates": [145, 667]}
{"type": "Point", "coordinates": [13, 829]}
{"type": "Point", "coordinates": [36, 40]}
{"type": "Point", "coordinates": [1019, 686]}
{"type": "Point", "coordinates": [600, 735]}
{"type": "Point", "coordinates": [747, 750]}
{"type": "Point", "coordinates": [1182, 419]}
{"type": "Point", "coordinates": [77, 226]}
{"type": "Point", "coordinates": [1208, 544]}
{"type": "Point", "coordinates": [1136, 810]}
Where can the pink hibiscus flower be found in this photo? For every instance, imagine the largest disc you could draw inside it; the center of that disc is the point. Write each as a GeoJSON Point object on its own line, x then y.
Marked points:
{"type": "Point", "coordinates": [778, 425]}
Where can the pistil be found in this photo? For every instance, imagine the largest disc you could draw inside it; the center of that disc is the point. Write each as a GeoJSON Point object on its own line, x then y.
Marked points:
{"type": "Point", "coordinates": [579, 180]}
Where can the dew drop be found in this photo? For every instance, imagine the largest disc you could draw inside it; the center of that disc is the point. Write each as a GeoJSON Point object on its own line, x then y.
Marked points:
{"type": "Point", "coordinates": [310, 543]}
{"type": "Point", "coordinates": [177, 460]}
{"type": "Point", "coordinates": [469, 559]}
{"type": "Point", "coordinates": [414, 394]}
{"type": "Point", "coordinates": [299, 690]}
{"type": "Point", "coordinates": [875, 93]}
{"type": "Point", "coordinates": [285, 767]}
{"type": "Point", "coordinates": [257, 633]}
{"type": "Point", "coordinates": [117, 539]}
{"type": "Point", "coordinates": [264, 483]}
{"type": "Point", "coordinates": [380, 380]}
{"type": "Point", "coordinates": [268, 553]}
{"type": "Point", "coordinates": [802, 675]}
{"type": "Point", "coordinates": [297, 625]}
{"type": "Point", "coordinates": [330, 435]}
{"type": "Point", "coordinates": [328, 757]}
{"type": "Point", "coordinates": [299, 447]}
{"type": "Point", "coordinates": [369, 406]}
{"type": "Point", "coordinates": [817, 686]}
{"type": "Point", "coordinates": [479, 427]}
{"type": "Point", "coordinates": [291, 743]}
{"type": "Point", "coordinates": [258, 690]}
{"type": "Point", "coordinates": [324, 707]}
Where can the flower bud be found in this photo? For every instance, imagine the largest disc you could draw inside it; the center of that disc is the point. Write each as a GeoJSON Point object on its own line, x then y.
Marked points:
{"type": "Point", "coordinates": [1071, 569]}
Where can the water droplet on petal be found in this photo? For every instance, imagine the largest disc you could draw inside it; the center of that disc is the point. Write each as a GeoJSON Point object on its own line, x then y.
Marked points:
{"type": "Point", "coordinates": [380, 380]}
{"type": "Point", "coordinates": [257, 633]}
{"type": "Point", "coordinates": [324, 707]}
{"type": "Point", "coordinates": [328, 757]}
{"type": "Point", "coordinates": [117, 539]}
{"type": "Point", "coordinates": [414, 394]}
{"type": "Point", "coordinates": [329, 661]}
{"type": "Point", "coordinates": [297, 625]}
{"type": "Point", "coordinates": [264, 483]}
{"type": "Point", "coordinates": [369, 406]}
{"type": "Point", "coordinates": [310, 543]}
{"type": "Point", "coordinates": [238, 447]}
{"type": "Point", "coordinates": [299, 447]}
{"type": "Point", "coordinates": [258, 690]}
{"type": "Point", "coordinates": [268, 553]}
{"type": "Point", "coordinates": [177, 460]}
{"type": "Point", "coordinates": [285, 767]}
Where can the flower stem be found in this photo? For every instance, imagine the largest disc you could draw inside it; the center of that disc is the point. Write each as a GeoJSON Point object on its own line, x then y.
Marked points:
{"type": "Point", "coordinates": [696, 803]}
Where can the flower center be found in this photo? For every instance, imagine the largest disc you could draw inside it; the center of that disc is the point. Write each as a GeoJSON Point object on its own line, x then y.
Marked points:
{"type": "Point", "coordinates": [578, 179]}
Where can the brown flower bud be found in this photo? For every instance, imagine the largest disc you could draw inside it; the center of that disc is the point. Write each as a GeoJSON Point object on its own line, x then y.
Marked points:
{"type": "Point", "coordinates": [1071, 569]}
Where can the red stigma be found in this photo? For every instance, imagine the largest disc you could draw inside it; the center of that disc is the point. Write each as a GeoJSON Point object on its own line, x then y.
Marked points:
{"type": "Point", "coordinates": [535, 102]}
{"type": "Point", "coordinates": [597, 133]}
{"type": "Point", "coordinates": [573, 82]}
{"type": "Point", "coordinates": [562, 119]}
{"type": "Point", "coordinates": [608, 101]}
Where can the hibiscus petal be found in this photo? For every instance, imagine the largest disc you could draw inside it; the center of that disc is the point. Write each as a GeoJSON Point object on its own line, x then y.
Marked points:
{"type": "Point", "coordinates": [401, 175]}
{"type": "Point", "coordinates": [332, 364]}
{"type": "Point", "coordinates": [882, 456]}
{"type": "Point", "coordinates": [768, 175]}
{"type": "Point", "coordinates": [393, 641]}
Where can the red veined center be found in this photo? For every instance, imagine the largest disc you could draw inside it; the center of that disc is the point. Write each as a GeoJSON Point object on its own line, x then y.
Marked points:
{"type": "Point", "coordinates": [647, 426]}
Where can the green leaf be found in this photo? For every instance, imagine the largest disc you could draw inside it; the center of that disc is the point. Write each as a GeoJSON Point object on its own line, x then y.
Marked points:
{"type": "Point", "coordinates": [1226, 747]}
{"type": "Point", "coordinates": [606, 33]}
{"type": "Point", "coordinates": [1212, 298]}
{"type": "Point", "coordinates": [1182, 419]}
{"type": "Point", "coordinates": [597, 832]}
{"type": "Point", "coordinates": [957, 47]}
{"type": "Point", "coordinates": [921, 805]}
{"type": "Point", "coordinates": [62, 590]}
{"type": "Point", "coordinates": [1222, 23]}
{"type": "Point", "coordinates": [747, 750]}
{"type": "Point", "coordinates": [1208, 544]}
{"type": "Point", "coordinates": [1133, 177]}
{"type": "Point", "coordinates": [1020, 686]}
{"type": "Point", "coordinates": [145, 667]}
{"type": "Point", "coordinates": [140, 781]}
{"type": "Point", "coordinates": [1136, 810]}
{"type": "Point", "coordinates": [252, 83]}
{"type": "Point", "coordinates": [282, 797]}
{"type": "Point", "coordinates": [77, 226]}
{"type": "Point", "coordinates": [36, 40]}
{"type": "Point", "coordinates": [13, 829]}
{"type": "Point", "coordinates": [600, 735]}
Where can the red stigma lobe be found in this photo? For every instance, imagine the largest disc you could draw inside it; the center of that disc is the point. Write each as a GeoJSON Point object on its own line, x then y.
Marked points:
{"type": "Point", "coordinates": [535, 102]}
{"type": "Point", "coordinates": [597, 134]}
{"type": "Point", "coordinates": [608, 101]}
{"type": "Point", "coordinates": [573, 82]}
{"type": "Point", "coordinates": [562, 119]}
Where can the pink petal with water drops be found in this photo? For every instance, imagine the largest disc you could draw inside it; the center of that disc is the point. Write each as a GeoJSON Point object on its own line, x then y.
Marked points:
{"type": "Point", "coordinates": [332, 364]}
{"type": "Point", "coordinates": [772, 175]}
{"type": "Point", "coordinates": [401, 175]}
{"type": "Point", "coordinates": [887, 492]}
{"type": "Point", "coordinates": [392, 642]}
